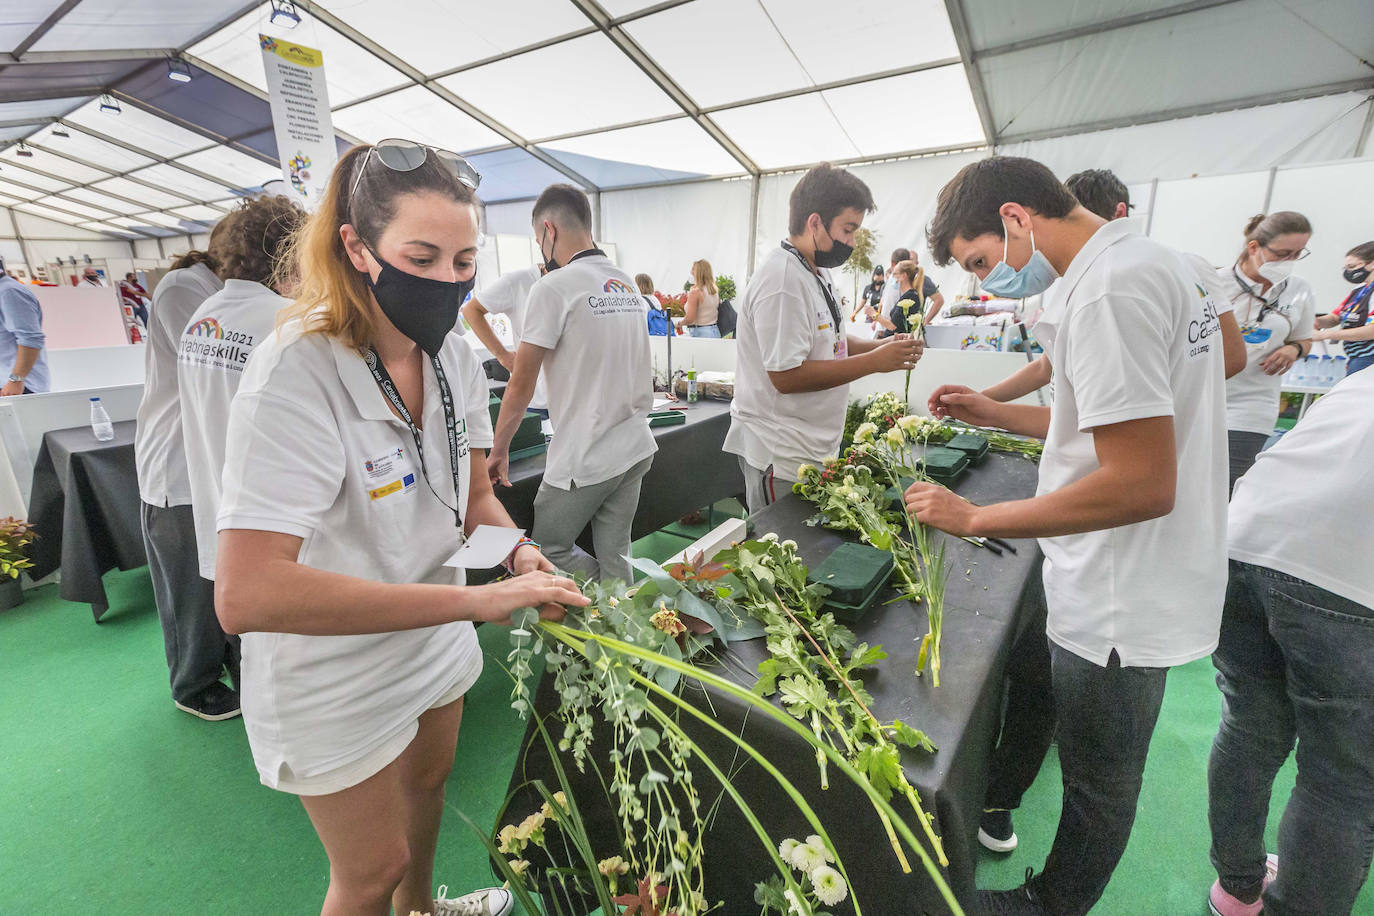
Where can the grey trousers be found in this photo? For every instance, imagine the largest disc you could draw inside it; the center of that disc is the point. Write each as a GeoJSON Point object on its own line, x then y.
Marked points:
{"type": "Point", "coordinates": [197, 649]}
{"type": "Point", "coordinates": [560, 516]}
{"type": "Point", "coordinates": [761, 488]}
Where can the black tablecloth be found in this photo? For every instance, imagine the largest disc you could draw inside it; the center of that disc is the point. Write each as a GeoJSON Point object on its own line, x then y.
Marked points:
{"type": "Point", "coordinates": [984, 612]}
{"type": "Point", "coordinates": [689, 471]}
{"type": "Point", "coordinates": [85, 507]}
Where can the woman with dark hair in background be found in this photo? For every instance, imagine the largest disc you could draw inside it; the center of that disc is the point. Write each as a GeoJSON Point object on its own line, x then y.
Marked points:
{"type": "Point", "coordinates": [1353, 323]}
{"type": "Point", "coordinates": [1275, 311]}
{"type": "Point", "coordinates": [355, 468]}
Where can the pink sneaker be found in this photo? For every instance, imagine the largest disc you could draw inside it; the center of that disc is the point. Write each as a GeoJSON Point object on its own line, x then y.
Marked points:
{"type": "Point", "coordinates": [1223, 904]}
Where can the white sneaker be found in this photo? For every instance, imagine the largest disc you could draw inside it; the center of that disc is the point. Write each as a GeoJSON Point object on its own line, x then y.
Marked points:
{"type": "Point", "coordinates": [491, 901]}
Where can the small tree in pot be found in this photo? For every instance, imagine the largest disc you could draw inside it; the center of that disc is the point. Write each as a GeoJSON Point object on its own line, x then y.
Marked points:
{"type": "Point", "coordinates": [15, 535]}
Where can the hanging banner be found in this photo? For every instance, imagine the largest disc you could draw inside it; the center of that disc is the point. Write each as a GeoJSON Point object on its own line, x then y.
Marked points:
{"type": "Point", "coordinates": [300, 116]}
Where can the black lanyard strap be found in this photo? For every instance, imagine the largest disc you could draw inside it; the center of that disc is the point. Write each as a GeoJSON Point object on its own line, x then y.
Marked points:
{"type": "Point", "coordinates": [825, 287]}
{"type": "Point", "coordinates": [384, 382]}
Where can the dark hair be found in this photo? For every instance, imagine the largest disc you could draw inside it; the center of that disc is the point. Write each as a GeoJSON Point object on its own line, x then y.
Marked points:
{"type": "Point", "coordinates": [193, 257]}
{"type": "Point", "coordinates": [1264, 228]}
{"type": "Point", "coordinates": [567, 204]}
{"type": "Point", "coordinates": [968, 206]}
{"type": "Point", "coordinates": [258, 241]}
{"type": "Point", "coordinates": [900, 254]}
{"type": "Point", "coordinates": [645, 284]}
{"type": "Point", "coordinates": [826, 191]}
{"type": "Point", "coordinates": [1099, 190]}
{"type": "Point", "coordinates": [1364, 252]}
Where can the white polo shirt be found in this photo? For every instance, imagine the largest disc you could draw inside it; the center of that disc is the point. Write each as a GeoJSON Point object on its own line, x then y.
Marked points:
{"type": "Point", "coordinates": [593, 321]}
{"type": "Point", "coordinates": [1267, 321]}
{"type": "Point", "coordinates": [783, 321]}
{"type": "Point", "coordinates": [214, 351]}
{"type": "Point", "coordinates": [508, 296]}
{"type": "Point", "coordinates": [314, 451]}
{"type": "Point", "coordinates": [1318, 471]}
{"type": "Point", "coordinates": [1132, 334]}
{"type": "Point", "coordinates": [159, 454]}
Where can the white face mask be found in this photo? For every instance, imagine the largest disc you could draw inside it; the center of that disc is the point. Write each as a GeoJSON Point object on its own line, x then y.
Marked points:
{"type": "Point", "coordinates": [1276, 271]}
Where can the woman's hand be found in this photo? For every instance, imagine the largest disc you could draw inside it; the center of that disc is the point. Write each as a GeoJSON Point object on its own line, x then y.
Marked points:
{"type": "Point", "coordinates": [528, 559]}
{"type": "Point", "coordinates": [544, 590]}
{"type": "Point", "coordinates": [1281, 360]}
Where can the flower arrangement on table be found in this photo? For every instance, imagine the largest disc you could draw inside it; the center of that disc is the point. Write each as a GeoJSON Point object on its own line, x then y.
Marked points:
{"type": "Point", "coordinates": [675, 304]}
{"type": "Point", "coordinates": [884, 410]}
{"type": "Point", "coordinates": [617, 666]}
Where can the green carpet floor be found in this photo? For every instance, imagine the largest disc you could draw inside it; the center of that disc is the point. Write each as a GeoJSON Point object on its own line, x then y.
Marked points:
{"type": "Point", "coordinates": [112, 801]}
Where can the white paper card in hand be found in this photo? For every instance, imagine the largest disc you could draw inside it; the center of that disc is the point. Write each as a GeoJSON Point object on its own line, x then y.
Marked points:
{"type": "Point", "coordinates": [487, 546]}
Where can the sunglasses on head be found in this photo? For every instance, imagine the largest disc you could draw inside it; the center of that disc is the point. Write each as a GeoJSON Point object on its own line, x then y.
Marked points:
{"type": "Point", "coordinates": [407, 156]}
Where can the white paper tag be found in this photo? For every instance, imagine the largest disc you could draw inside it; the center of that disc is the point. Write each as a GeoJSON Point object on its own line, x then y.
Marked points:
{"type": "Point", "coordinates": [486, 547]}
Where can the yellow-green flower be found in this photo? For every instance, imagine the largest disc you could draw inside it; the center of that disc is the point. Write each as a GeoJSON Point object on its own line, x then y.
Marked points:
{"type": "Point", "coordinates": [519, 866]}
{"type": "Point", "coordinates": [865, 432]}
{"type": "Point", "coordinates": [615, 865]}
{"type": "Point", "coordinates": [895, 437]}
{"type": "Point", "coordinates": [508, 841]}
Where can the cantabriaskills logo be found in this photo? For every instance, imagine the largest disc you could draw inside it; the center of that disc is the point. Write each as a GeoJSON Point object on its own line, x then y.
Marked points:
{"type": "Point", "coordinates": [207, 327]}
{"type": "Point", "coordinates": [617, 286]}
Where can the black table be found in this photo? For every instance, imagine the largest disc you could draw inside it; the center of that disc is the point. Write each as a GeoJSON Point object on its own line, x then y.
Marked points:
{"type": "Point", "coordinates": [85, 508]}
{"type": "Point", "coordinates": [689, 471]}
{"type": "Point", "coordinates": [984, 613]}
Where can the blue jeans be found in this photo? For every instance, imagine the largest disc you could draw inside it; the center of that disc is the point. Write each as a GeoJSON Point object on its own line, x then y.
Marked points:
{"type": "Point", "coordinates": [1356, 363]}
{"type": "Point", "coordinates": [1294, 662]}
{"type": "Point", "coordinates": [1106, 718]}
{"type": "Point", "coordinates": [703, 330]}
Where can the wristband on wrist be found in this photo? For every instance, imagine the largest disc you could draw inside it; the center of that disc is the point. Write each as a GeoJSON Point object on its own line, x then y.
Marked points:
{"type": "Point", "coordinates": [1298, 347]}
{"type": "Point", "coordinates": [523, 542]}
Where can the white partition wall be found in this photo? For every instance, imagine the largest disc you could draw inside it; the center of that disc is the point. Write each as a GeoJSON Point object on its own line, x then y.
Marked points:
{"type": "Point", "coordinates": [661, 231]}
{"type": "Point", "coordinates": [1331, 196]}
{"type": "Point", "coordinates": [1207, 216]}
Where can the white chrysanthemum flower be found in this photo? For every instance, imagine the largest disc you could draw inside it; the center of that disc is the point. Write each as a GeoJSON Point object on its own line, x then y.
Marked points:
{"type": "Point", "coordinates": [789, 544]}
{"type": "Point", "coordinates": [770, 537]}
{"type": "Point", "coordinates": [849, 480]}
{"type": "Point", "coordinates": [816, 843]}
{"type": "Point", "coordinates": [806, 858]}
{"type": "Point", "coordinates": [910, 422]}
{"type": "Point", "coordinates": [785, 849]}
{"type": "Point", "coordinates": [805, 470]}
{"type": "Point", "coordinates": [895, 437]}
{"type": "Point", "coordinates": [855, 496]}
{"type": "Point", "coordinates": [828, 885]}
{"type": "Point", "coordinates": [865, 432]}
{"type": "Point", "coordinates": [793, 904]}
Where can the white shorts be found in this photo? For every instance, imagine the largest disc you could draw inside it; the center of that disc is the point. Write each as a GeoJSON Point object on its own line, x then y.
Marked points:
{"type": "Point", "coordinates": [374, 760]}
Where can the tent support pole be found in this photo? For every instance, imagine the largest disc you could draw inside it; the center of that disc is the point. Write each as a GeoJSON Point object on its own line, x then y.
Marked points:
{"type": "Point", "coordinates": [1269, 189]}
{"type": "Point", "coordinates": [754, 183]}
{"type": "Point", "coordinates": [23, 245]}
{"type": "Point", "coordinates": [1150, 213]}
{"type": "Point", "coordinates": [1363, 140]}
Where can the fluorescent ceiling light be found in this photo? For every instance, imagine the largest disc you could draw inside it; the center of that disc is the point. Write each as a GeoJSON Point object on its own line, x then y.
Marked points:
{"type": "Point", "coordinates": [178, 70]}
{"type": "Point", "coordinates": [284, 13]}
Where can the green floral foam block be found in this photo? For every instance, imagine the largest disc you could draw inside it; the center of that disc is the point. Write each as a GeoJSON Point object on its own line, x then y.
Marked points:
{"type": "Point", "coordinates": [854, 573]}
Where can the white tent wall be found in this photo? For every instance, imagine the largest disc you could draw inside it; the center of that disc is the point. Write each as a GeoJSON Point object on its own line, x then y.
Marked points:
{"type": "Point", "coordinates": [1291, 133]}
{"type": "Point", "coordinates": [509, 219]}
{"type": "Point", "coordinates": [661, 231]}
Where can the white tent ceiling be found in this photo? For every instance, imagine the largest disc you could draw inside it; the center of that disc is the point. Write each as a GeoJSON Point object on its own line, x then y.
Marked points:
{"type": "Point", "coordinates": [624, 93]}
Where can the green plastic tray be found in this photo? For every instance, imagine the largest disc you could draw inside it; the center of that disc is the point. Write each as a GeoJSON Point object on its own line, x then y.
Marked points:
{"type": "Point", "coordinates": [666, 418]}
{"type": "Point", "coordinates": [854, 573]}
{"type": "Point", "coordinates": [529, 434]}
{"type": "Point", "coordinates": [975, 446]}
{"type": "Point", "coordinates": [494, 408]}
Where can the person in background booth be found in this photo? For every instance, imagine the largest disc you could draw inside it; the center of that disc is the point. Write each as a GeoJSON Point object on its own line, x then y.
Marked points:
{"type": "Point", "coordinates": [1353, 323]}
{"type": "Point", "coordinates": [507, 296]}
{"type": "Point", "coordinates": [915, 307]}
{"type": "Point", "coordinates": [22, 341]}
{"type": "Point", "coordinates": [703, 302]}
{"type": "Point", "coordinates": [198, 651]}
{"type": "Point", "coordinates": [1276, 312]}
{"type": "Point", "coordinates": [660, 322]}
{"type": "Point", "coordinates": [91, 277]}
{"type": "Point", "coordinates": [135, 296]}
{"type": "Point", "coordinates": [354, 469]}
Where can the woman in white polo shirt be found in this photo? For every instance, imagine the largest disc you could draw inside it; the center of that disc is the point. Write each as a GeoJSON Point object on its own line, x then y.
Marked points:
{"type": "Point", "coordinates": [1275, 311]}
{"type": "Point", "coordinates": [347, 483]}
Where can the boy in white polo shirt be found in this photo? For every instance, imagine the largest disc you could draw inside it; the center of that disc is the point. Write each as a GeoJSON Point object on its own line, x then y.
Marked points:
{"type": "Point", "coordinates": [1131, 505]}
{"type": "Point", "coordinates": [507, 296]}
{"type": "Point", "coordinates": [794, 360]}
{"type": "Point", "coordinates": [584, 329]}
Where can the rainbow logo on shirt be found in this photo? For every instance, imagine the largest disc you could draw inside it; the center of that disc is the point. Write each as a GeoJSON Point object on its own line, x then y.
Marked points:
{"type": "Point", "coordinates": [617, 286]}
{"type": "Point", "coordinates": [207, 327]}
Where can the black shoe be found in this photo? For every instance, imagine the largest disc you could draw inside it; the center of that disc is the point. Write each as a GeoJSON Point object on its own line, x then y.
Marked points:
{"type": "Point", "coordinates": [1021, 901]}
{"type": "Point", "coordinates": [995, 832]}
{"type": "Point", "coordinates": [215, 703]}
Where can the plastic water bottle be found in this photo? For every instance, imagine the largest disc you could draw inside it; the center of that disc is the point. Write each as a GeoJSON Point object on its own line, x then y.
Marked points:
{"type": "Point", "coordinates": [100, 421]}
{"type": "Point", "coordinates": [1327, 373]}
{"type": "Point", "coordinates": [1309, 369]}
{"type": "Point", "coordinates": [1338, 365]}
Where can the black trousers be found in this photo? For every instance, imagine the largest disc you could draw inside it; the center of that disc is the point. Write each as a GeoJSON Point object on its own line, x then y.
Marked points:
{"type": "Point", "coordinates": [1028, 719]}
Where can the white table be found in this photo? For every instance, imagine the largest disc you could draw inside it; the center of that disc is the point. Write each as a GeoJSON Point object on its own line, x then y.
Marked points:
{"type": "Point", "coordinates": [1308, 392]}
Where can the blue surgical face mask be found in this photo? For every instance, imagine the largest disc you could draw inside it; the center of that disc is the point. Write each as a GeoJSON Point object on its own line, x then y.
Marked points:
{"type": "Point", "coordinates": [1006, 282]}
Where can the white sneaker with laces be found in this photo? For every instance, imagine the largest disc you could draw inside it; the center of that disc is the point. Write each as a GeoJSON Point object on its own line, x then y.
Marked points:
{"type": "Point", "coordinates": [490, 901]}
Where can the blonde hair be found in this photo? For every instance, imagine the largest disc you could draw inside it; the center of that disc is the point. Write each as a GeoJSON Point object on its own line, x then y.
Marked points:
{"type": "Point", "coordinates": [907, 269]}
{"type": "Point", "coordinates": [703, 276]}
{"type": "Point", "coordinates": [332, 296]}
{"type": "Point", "coordinates": [645, 284]}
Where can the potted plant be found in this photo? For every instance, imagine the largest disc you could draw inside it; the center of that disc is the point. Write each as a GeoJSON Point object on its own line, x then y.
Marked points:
{"type": "Point", "coordinates": [15, 535]}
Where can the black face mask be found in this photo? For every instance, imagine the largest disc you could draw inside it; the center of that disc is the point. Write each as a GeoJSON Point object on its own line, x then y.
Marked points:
{"type": "Point", "coordinates": [1356, 274]}
{"type": "Point", "coordinates": [551, 264]}
{"type": "Point", "coordinates": [835, 255]}
{"type": "Point", "coordinates": [422, 309]}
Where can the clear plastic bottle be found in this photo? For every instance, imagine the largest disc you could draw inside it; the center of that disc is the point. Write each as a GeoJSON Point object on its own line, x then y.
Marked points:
{"type": "Point", "coordinates": [1326, 375]}
{"type": "Point", "coordinates": [1338, 365]}
{"type": "Point", "coordinates": [100, 421]}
